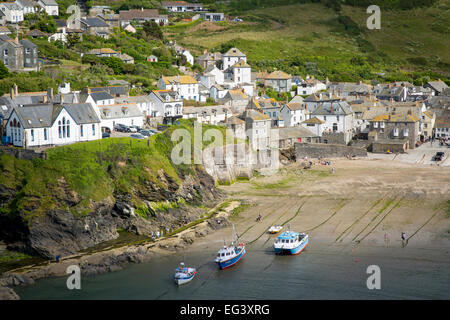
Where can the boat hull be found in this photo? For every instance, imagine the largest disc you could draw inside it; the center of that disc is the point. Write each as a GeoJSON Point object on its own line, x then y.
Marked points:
{"type": "Point", "coordinates": [292, 251]}
{"type": "Point", "coordinates": [180, 281]}
{"type": "Point", "coordinates": [231, 262]}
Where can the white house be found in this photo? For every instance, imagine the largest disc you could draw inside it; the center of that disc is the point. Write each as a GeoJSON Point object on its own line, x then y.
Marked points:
{"type": "Point", "coordinates": [185, 86]}
{"type": "Point", "coordinates": [189, 57]}
{"type": "Point", "coordinates": [27, 6]}
{"type": "Point", "coordinates": [257, 128]}
{"type": "Point", "coordinates": [208, 115]}
{"type": "Point", "coordinates": [40, 125]}
{"type": "Point", "coordinates": [310, 86]}
{"type": "Point", "coordinates": [12, 11]}
{"type": "Point", "coordinates": [336, 116]}
{"type": "Point", "coordinates": [314, 125]}
{"type": "Point", "coordinates": [218, 75]}
{"type": "Point", "coordinates": [181, 6]}
{"type": "Point", "coordinates": [232, 57]}
{"type": "Point", "coordinates": [152, 58]}
{"type": "Point", "coordinates": [242, 72]}
{"type": "Point", "coordinates": [144, 103]}
{"type": "Point", "coordinates": [121, 113]}
{"type": "Point", "coordinates": [293, 114]}
{"type": "Point", "coordinates": [49, 6]}
{"type": "Point", "coordinates": [217, 92]}
{"type": "Point", "coordinates": [167, 103]}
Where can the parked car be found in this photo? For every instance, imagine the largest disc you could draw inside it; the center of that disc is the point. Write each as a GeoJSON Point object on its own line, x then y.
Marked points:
{"type": "Point", "coordinates": [138, 129]}
{"type": "Point", "coordinates": [121, 127]}
{"type": "Point", "coordinates": [137, 136]}
{"type": "Point", "coordinates": [146, 133]}
{"type": "Point", "coordinates": [105, 135]}
{"type": "Point", "coordinates": [438, 156]}
{"type": "Point", "coordinates": [132, 129]}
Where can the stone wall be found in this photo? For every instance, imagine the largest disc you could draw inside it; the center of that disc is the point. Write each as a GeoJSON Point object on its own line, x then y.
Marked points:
{"type": "Point", "coordinates": [336, 137]}
{"type": "Point", "coordinates": [315, 150]}
{"type": "Point", "coordinates": [25, 154]}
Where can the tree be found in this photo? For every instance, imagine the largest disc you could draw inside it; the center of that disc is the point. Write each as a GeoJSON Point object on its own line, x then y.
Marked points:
{"type": "Point", "coordinates": [4, 72]}
{"type": "Point", "coordinates": [72, 39]}
{"type": "Point", "coordinates": [114, 63]}
{"type": "Point", "coordinates": [152, 30]}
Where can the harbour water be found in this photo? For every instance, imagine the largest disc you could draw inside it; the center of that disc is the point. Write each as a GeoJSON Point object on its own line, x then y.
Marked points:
{"type": "Point", "coordinates": [320, 272]}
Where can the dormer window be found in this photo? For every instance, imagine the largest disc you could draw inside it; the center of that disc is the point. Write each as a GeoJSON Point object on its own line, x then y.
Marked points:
{"type": "Point", "coordinates": [381, 124]}
{"type": "Point", "coordinates": [395, 132]}
{"type": "Point", "coordinates": [375, 124]}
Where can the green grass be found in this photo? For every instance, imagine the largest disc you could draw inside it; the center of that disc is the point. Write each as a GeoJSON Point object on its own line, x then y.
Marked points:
{"type": "Point", "coordinates": [310, 39]}
{"type": "Point", "coordinates": [94, 171]}
{"type": "Point", "coordinates": [236, 211]}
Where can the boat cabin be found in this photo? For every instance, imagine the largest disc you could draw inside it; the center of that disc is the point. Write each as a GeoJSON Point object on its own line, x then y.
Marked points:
{"type": "Point", "coordinates": [226, 252]}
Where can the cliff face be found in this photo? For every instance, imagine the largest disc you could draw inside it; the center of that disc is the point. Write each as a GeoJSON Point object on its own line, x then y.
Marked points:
{"type": "Point", "coordinates": [60, 232]}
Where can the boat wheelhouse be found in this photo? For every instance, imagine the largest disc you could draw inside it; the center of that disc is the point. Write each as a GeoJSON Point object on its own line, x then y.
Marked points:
{"type": "Point", "coordinates": [184, 274]}
{"type": "Point", "coordinates": [290, 242]}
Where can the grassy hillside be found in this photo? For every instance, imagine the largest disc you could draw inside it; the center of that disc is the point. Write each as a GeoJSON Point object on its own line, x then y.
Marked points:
{"type": "Point", "coordinates": [312, 38]}
{"type": "Point", "coordinates": [91, 172]}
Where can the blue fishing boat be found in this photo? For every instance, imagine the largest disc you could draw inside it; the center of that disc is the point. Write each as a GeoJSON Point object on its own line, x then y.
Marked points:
{"type": "Point", "coordinates": [291, 243]}
{"type": "Point", "coordinates": [228, 256]}
{"type": "Point", "coordinates": [184, 274]}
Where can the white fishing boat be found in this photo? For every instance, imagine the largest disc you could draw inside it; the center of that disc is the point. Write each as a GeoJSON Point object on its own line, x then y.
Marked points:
{"type": "Point", "coordinates": [275, 229]}
{"type": "Point", "coordinates": [228, 256]}
{"type": "Point", "coordinates": [184, 274]}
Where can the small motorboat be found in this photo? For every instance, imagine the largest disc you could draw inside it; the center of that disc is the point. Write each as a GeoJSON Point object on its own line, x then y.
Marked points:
{"type": "Point", "coordinates": [275, 229]}
{"type": "Point", "coordinates": [184, 274]}
{"type": "Point", "coordinates": [228, 256]}
{"type": "Point", "coordinates": [290, 242]}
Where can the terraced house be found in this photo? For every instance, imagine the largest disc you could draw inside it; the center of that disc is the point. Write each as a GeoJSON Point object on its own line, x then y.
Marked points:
{"type": "Point", "coordinates": [185, 86]}
{"type": "Point", "coordinates": [394, 132]}
{"type": "Point", "coordinates": [280, 81]}
{"type": "Point", "coordinates": [19, 55]}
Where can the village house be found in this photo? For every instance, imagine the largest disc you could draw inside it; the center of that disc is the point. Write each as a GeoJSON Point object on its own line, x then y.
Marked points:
{"type": "Point", "coordinates": [115, 91]}
{"type": "Point", "coordinates": [293, 114]}
{"type": "Point", "coordinates": [212, 16]}
{"type": "Point", "coordinates": [350, 91]}
{"type": "Point", "coordinates": [209, 59]}
{"type": "Point", "coordinates": [232, 57]}
{"type": "Point", "coordinates": [280, 81]}
{"type": "Point", "coordinates": [442, 125]}
{"type": "Point", "coordinates": [257, 128]}
{"type": "Point", "coordinates": [126, 58]}
{"type": "Point", "coordinates": [392, 91]}
{"type": "Point", "coordinates": [269, 107]}
{"type": "Point", "coordinates": [140, 16]}
{"type": "Point", "coordinates": [236, 99]}
{"type": "Point", "coordinates": [104, 53]}
{"type": "Point", "coordinates": [315, 99]}
{"type": "Point", "coordinates": [217, 92]}
{"type": "Point", "coordinates": [19, 55]}
{"type": "Point", "coordinates": [209, 115]}
{"type": "Point", "coordinates": [143, 102]}
{"type": "Point", "coordinates": [437, 87]}
{"type": "Point", "coordinates": [288, 136]}
{"type": "Point", "coordinates": [127, 114]}
{"type": "Point", "coordinates": [95, 27]}
{"type": "Point", "coordinates": [112, 19]}
{"type": "Point", "coordinates": [49, 6]}
{"type": "Point", "coordinates": [48, 124]}
{"type": "Point", "coordinates": [27, 6]}
{"type": "Point", "coordinates": [152, 58]}
{"type": "Point", "coordinates": [428, 121]}
{"type": "Point", "coordinates": [185, 86]}
{"type": "Point", "coordinates": [12, 11]}
{"type": "Point", "coordinates": [394, 132]}
{"type": "Point", "coordinates": [167, 104]}
{"type": "Point", "coordinates": [218, 76]}
{"type": "Point", "coordinates": [315, 125]}
{"type": "Point", "coordinates": [310, 86]}
{"type": "Point", "coordinates": [181, 6]}
{"type": "Point", "coordinates": [238, 73]}
{"type": "Point", "coordinates": [237, 127]}
{"type": "Point", "coordinates": [337, 118]}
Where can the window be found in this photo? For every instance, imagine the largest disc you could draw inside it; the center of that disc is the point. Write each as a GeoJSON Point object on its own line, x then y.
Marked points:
{"type": "Point", "coordinates": [375, 124]}
{"type": "Point", "coordinates": [81, 130]}
{"type": "Point", "coordinates": [381, 124]}
{"type": "Point", "coordinates": [32, 135]}
{"type": "Point", "coordinates": [337, 118]}
{"type": "Point", "coordinates": [395, 132]}
{"type": "Point", "coordinates": [93, 129]}
{"type": "Point", "coordinates": [405, 132]}
{"type": "Point", "coordinates": [59, 129]}
{"type": "Point", "coordinates": [45, 134]}
{"type": "Point", "coordinates": [27, 50]}
{"type": "Point", "coordinates": [68, 129]}
{"type": "Point", "coordinates": [324, 118]}
{"type": "Point", "coordinates": [5, 52]}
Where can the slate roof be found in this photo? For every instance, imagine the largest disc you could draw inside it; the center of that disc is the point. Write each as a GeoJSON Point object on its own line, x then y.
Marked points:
{"type": "Point", "coordinates": [112, 90]}
{"type": "Point", "coordinates": [234, 52]}
{"type": "Point", "coordinates": [101, 95]}
{"type": "Point", "coordinates": [278, 75]}
{"type": "Point", "coordinates": [255, 115]}
{"type": "Point", "coordinates": [333, 108]}
{"type": "Point", "coordinates": [94, 22]}
{"type": "Point", "coordinates": [118, 111]}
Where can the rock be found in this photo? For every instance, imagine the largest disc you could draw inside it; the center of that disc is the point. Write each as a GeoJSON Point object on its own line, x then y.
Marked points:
{"type": "Point", "coordinates": [8, 294]}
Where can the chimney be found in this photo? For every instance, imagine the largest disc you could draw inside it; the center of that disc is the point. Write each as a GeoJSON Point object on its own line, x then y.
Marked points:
{"type": "Point", "coordinates": [12, 93]}
{"type": "Point", "coordinates": [50, 94]}
{"type": "Point", "coordinates": [326, 80]}
{"type": "Point", "coordinates": [44, 99]}
{"type": "Point", "coordinates": [62, 99]}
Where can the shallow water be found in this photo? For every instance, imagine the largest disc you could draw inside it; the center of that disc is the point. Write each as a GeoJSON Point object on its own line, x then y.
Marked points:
{"type": "Point", "coordinates": [319, 272]}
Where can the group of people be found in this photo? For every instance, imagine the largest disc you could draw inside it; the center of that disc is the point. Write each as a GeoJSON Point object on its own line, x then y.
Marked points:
{"type": "Point", "coordinates": [387, 239]}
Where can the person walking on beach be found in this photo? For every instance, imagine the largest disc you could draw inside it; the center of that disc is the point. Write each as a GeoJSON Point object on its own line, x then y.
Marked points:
{"type": "Point", "coordinates": [403, 239]}
{"type": "Point", "coordinates": [387, 239]}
